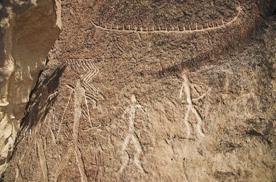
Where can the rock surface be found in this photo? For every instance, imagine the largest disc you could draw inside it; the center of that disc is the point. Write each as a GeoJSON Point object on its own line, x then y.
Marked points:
{"type": "Point", "coordinates": [28, 30]}
{"type": "Point", "coordinates": [155, 91]}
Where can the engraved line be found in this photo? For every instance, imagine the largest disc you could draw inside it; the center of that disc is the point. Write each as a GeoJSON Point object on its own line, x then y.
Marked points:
{"type": "Point", "coordinates": [223, 24]}
{"type": "Point", "coordinates": [190, 107]}
{"type": "Point", "coordinates": [42, 159]}
{"type": "Point", "coordinates": [63, 114]}
{"type": "Point", "coordinates": [131, 110]}
{"type": "Point", "coordinates": [60, 167]}
{"type": "Point", "coordinates": [78, 99]}
{"type": "Point", "coordinates": [86, 65]}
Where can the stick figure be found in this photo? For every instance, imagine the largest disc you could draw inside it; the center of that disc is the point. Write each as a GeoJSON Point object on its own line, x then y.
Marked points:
{"type": "Point", "coordinates": [186, 88]}
{"type": "Point", "coordinates": [131, 111]}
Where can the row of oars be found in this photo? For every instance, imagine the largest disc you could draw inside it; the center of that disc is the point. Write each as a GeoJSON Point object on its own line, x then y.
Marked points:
{"type": "Point", "coordinates": [190, 27]}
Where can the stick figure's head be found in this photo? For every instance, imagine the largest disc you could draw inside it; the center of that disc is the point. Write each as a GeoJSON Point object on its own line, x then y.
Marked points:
{"type": "Point", "coordinates": [133, 99]}
{"type": "Point", "coordinates": [239, 8]}
{"type": "Point", "coordinates": [183, 73]}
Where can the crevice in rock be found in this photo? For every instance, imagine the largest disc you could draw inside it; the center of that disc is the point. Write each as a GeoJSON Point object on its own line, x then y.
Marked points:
{"type": "Point", "coordinates": [274, 12]}
{"type": "Point", "coordinates": [42, 96]}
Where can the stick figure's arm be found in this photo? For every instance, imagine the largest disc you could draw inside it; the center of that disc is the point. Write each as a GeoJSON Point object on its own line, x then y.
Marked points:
{"type": "Point", "coordinates": [181, 91]}
{"type": "Point", "coordinates": [138, 106]}
{"type": "Point", "coordinates": [125, 112]}
{"type": "Point", "coordinates": [202, 96]}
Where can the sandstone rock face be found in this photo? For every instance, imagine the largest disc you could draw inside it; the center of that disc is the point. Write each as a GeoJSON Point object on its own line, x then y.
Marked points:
{"type": "Point", "coordinates": [155, 91]}
{"type": "Point", "coordinates": [29, 29]}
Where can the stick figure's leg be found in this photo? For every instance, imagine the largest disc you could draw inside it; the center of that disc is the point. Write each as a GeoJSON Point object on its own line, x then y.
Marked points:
{"type": "Point", "coordinates": [48, 125]}
{"type": "Point", "coordinates": [186, 122]}
{"type": "Point", "coordinates": [138, 152]}
{"type": "Point", "coordinates": [199, 123]}
{"type": "Point", "coordinates": [88, 113]}
{"type": "Point", "coordinates": [124, 157]}
{"type": "Point", "coordinates": [66, 107]}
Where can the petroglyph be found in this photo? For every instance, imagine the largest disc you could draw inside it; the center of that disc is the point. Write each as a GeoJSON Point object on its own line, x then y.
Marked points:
{"type": "Point", "coordinates": [51, 117]}
{"type": "Point", "coordinates": [64, 161]}
{"type": "Point", "coordinates": [65, 109]}
{"type": "Point", "coordinates": [17, 173]}
{"type": "Point", "coordinates": [78, 94]}
{"type": "Point", "coordinates": [186, 88]}
{"type": "Point", "coordinates": [90, 94]}
{"type": "Point", "coordinates": [183, 29]}
{"type": "Point", "coordinates": [86, 113]}
{"type": "Point", "coordinates": [42, 159]}
{"type": "Point", "coordinates": [85, 65]}
{"type": "Point", "coordinates": [78, 99]}
{"type": "Point", "coordinates": [87, 71]}
{"type": "Point", "coordinates": [131, 136]}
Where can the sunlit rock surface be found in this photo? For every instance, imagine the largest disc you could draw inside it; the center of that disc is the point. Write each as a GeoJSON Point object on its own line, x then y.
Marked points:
{"type": "Point", "coordinates": [28, 30]}
{"type": "Point", "coordinates": [169, 91]}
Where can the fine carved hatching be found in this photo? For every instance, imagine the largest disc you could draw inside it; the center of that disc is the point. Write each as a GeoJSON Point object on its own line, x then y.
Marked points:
{"type": "Point", "coordinates": [87, 71]}
{"type": "Point", "coordinates": [81, 93]}
{"type": "Point", "coordinates": [91, 95]}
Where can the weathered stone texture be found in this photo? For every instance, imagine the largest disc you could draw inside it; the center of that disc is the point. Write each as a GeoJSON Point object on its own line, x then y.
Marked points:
{"type": "Point", "coordinates": [29, 29]}
{"type": "Point", "coordinates": [147, 105]}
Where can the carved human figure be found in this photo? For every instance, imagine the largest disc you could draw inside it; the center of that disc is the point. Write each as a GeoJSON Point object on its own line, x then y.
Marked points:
{"type": "Point", "coordinates": [198, 126]}
{"type": "Point", "coordinates": [131, 136]}
{"type": "Point", "coordinates": [78, 100]}
{"type": "Point", "coordinates": [87, 71]}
